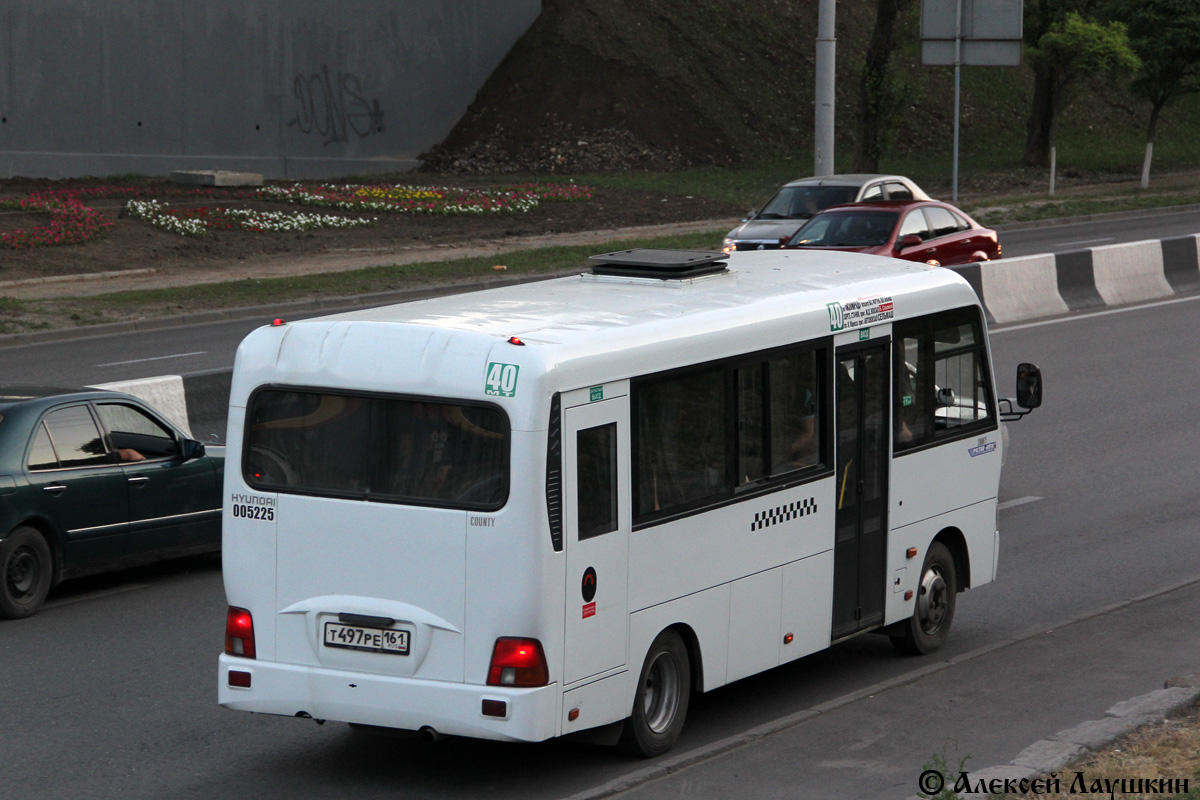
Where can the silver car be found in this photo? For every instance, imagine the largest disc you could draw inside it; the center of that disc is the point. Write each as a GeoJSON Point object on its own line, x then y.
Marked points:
{"type": "Point", "coordinates": [795, 202]}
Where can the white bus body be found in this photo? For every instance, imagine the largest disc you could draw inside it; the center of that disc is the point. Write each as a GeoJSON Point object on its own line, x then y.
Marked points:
{"type": "Point", "coordinates": [758, 462]}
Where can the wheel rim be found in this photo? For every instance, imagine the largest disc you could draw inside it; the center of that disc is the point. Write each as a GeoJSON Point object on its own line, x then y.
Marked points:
{"type": "Point", "coordinates": [21, 577]}
{"type": "Point", "coordinates": [933, 600]}
{"type": "Point", "coordinates": [661, 696]}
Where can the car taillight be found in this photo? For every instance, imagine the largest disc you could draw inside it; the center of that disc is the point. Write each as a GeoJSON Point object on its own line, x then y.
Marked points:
{"type": "Point", "coordinates": [239, 633]}
{"type": "Point", "coordinates": [518, 662]}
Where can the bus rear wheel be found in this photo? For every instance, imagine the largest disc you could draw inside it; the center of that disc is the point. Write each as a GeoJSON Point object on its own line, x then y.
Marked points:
{"type": "Point", "coordinates": [926, 630]}
{"type": "Point", "coordinates": [661, 702]}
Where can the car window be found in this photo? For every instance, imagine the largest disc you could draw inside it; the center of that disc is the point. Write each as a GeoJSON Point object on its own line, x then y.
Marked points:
{"type": "Point", "coordinates": [873, 192]}
{"type": "Point", "coordinates": [801, 202]}
{"type": "Point", "coordinates": [847, 229]}
{"type": "Point", "coordinates": [131, 429]}
{"type": "Point", "coordinates": [41, 454]}
{"type": "Point", "coordinates": [963, 224]}
{"type": "Point", "coordinates": [941, 220]}
{"type": "Point", "coordinates": [76, 438]}
{"type": "Point", "coordinates": [914, 223]}
{"type": "Point", "coordinates": [898, 191]}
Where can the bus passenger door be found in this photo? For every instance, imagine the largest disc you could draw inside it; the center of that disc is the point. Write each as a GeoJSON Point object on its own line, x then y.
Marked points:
{"type": "Point", "coordinates": [596, 521]}
{"type": "Point", "coordinates": [862, 486]}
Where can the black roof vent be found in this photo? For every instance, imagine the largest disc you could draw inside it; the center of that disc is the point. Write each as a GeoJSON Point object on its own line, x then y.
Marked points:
{"type": "Point", "coordinates": [661, 264]}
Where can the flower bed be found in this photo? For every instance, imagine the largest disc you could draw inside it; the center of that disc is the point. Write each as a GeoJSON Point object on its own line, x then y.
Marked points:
{"type": "Point", "coordinates": [196, 221]}
{"type": "Point", "coordinates": [72, 222]}
{"type": "Point", "coordinates": [427, 199]}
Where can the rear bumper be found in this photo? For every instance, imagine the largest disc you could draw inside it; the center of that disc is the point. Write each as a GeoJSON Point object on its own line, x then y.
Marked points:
{"type": "Point", "coordinates": [405, 703]}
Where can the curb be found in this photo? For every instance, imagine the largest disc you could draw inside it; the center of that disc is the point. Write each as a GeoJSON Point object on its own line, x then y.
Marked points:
{"type": "Point", "coordinates": [1047, 756]}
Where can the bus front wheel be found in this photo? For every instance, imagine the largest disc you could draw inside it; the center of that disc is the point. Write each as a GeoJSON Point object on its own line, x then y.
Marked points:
{"type": "Point", "coordinates": [661, 702]}
{"type": "Point", "coordinates": [927, 628]}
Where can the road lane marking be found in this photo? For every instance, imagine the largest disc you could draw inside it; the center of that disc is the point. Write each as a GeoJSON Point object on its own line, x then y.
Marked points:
{"type": "Point", "coordinates": [1088, 241]}
{"type": "Point", "coordinates": [66, 601]}
{"type": "Point", "coordinates": [1020, 501]}
{"type": "Point", "coordinates": [155, 358]}
{"type": "Point", "coordinates": [1079, 317]}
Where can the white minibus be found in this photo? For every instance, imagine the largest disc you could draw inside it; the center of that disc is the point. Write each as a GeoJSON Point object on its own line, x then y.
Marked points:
{"type": "Point", "coordinates": [567, 505]}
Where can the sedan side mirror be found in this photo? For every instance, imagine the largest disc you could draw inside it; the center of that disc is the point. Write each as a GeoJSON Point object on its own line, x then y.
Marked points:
{"type": "Point", "coordinates": [190, 448]}
{"type": "Point", "coordinates": [911, 240]}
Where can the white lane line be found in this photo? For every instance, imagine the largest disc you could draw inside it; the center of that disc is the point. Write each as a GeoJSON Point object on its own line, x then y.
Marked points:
{"type": "Point", "coordinates": [66, 601]}
{"type": "Point", "coordinates": [155, 358]}
{"type": "Point", "coordinates": [1020, 501]}
{"type": "Point", "coordinates": [1080, 317]}
{"type": "Point", "coordinates": [1088, 241]}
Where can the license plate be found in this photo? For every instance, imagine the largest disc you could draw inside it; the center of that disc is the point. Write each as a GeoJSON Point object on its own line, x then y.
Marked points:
{"type": "Point", "coordinates": [375, 640]}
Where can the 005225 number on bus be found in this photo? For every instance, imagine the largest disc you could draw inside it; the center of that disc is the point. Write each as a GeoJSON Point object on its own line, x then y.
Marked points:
{"type": "Point", "coordinates": [253, 512]}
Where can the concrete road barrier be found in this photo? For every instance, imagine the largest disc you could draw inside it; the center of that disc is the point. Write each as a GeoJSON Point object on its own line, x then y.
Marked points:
{"type": "Point", "coordinates": [1034, 287]}
{"type": "Point", "coordinates": [164, 392]}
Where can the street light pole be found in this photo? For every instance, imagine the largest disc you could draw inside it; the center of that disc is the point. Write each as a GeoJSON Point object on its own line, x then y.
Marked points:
{"type": "Point", "coordinates": [826, 73]}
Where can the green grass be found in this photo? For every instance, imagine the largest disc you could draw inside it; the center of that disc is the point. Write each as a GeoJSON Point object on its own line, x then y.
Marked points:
{"type": "Point", "coordinates": [242, 293]}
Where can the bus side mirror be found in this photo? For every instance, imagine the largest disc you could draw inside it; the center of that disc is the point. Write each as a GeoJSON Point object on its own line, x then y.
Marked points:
{"type": "Point", "coordinates": [1029, 386]}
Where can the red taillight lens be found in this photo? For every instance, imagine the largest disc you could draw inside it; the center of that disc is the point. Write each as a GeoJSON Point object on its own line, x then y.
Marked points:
{"type": "Point", "coordinates": [239, 633]}
{"type": "Point", "coordinates": [518, 662]}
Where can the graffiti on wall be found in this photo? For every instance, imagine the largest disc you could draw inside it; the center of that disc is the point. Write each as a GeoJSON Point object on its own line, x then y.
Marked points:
{"type": "Point", "coordinates": [334, 107]}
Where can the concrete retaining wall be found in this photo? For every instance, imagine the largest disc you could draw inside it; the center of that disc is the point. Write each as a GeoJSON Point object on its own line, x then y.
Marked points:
{"type": "Point", "coordinates": [286, 88]}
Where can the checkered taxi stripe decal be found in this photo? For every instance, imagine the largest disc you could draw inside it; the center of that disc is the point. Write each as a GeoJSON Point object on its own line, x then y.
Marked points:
{"type": "Point", "coordinates": [800, 508]}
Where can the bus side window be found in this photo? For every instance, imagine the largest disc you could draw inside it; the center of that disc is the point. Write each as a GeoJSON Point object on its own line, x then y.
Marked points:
{"type": "Point", "coordinates": [914, 394]}
{"type": "Point", "coordinates": [940, 374]}
{"type": "Point", "coordinates": [596, 451]}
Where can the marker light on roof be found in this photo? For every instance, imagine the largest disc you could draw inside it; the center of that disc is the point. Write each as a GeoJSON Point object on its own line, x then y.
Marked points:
{"type": "Point", "coordinates": [275, 323]}
{"type": "Point", "coordinates": [515, 340]}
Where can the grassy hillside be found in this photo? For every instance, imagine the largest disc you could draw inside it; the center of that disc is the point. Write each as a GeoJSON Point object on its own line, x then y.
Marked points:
{"type": "Point", "coordinates": [601, 85]}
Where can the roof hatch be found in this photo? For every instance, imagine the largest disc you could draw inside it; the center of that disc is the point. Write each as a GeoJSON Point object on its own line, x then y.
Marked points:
{"type": "Point", "coordinates": [661, 264]}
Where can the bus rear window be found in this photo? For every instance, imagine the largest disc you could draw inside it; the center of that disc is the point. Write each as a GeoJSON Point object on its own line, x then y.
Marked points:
{"type": "Point", "coordinates": [387, 449]}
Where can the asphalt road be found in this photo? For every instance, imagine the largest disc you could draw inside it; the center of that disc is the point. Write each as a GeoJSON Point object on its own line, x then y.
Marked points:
{"type": "Point", "coordinates": [110, 692]}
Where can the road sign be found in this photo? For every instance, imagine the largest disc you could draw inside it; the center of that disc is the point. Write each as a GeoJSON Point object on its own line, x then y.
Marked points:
{"type": "Point", "coordinates": [990, 34]}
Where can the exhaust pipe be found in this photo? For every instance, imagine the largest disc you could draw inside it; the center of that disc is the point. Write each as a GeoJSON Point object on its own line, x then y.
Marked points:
{"type": "Point", "coordinates": [306, 715]}
{"type": "Point", "coordinates": [429, 735]}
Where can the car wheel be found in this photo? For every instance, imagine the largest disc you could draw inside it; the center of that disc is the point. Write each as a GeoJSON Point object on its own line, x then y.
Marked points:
{"type": "Point", "coordinates": [25, 565]}
{"type": "Point", "coordinates": [661, 702]}
{"type": "Point", "coordinates": [928, 627]}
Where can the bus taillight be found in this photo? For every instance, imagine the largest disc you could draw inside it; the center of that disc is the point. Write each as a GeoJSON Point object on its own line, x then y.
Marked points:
{"type": "Point", "coordinates": [239, 633]}
{"type": "Point", "coordinates": [518, 662]}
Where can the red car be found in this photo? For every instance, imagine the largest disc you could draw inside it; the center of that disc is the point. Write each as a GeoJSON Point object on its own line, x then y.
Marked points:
{"type": "Point", "coordinates": [922, 230]}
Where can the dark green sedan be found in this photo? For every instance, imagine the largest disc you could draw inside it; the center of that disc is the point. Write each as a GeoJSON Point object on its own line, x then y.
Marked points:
{"type": "Point", "coordinates": [92, 481]}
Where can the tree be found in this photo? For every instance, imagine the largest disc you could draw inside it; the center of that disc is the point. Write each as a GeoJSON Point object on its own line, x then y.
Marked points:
{"type": "Point", "coordinates": [876, 94]}
{"type": "Point", "coordinates": [1070, 50]}
{"type": "Point", "coordinates": [1165, 35]}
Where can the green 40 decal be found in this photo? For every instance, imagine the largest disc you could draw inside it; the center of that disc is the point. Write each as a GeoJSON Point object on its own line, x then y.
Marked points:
{"type": "Point", "coordinates": [501, 380]}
